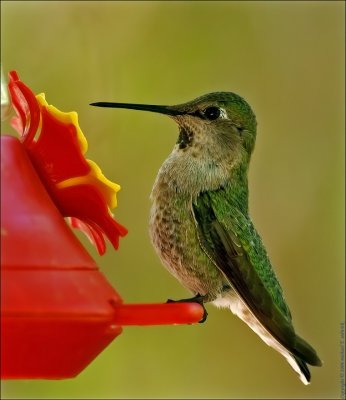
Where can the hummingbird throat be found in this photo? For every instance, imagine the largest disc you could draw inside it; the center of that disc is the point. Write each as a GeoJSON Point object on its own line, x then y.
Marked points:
{"type": "Point", "coordinates": [185, 138]}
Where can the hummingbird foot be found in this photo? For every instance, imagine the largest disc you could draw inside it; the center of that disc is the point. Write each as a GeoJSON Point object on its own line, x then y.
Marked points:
{"type": "Point", "coordinates": [196, 299]}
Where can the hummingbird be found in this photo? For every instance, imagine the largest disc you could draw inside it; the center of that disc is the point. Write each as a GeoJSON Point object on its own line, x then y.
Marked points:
{"type": "Point", "coordinates": [200, 225]}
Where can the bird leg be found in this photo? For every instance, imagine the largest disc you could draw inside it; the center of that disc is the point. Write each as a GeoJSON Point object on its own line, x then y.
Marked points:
{"type": "Point", "coordinates": [196, 299]}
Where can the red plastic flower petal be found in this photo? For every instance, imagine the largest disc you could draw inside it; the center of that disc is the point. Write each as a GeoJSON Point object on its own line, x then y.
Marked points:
{"type": "Point", "coordinates": [57, 146]}
{"type": "Point", "coordinates": [26, 106]}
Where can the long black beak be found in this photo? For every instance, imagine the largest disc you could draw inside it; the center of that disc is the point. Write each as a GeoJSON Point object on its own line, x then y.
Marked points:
{"type": "Point", "coordinates": [143, 107]}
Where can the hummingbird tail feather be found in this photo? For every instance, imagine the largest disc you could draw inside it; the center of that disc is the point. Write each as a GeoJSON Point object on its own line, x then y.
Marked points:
{"type": "Point", "coordinates": [302, 355]}
{"type": "Point", "coordinates": [303, 369]}
{"type": "Point", "coordinates": [297, 362]}
{"type": "Point", "coordinates": [306, 352]}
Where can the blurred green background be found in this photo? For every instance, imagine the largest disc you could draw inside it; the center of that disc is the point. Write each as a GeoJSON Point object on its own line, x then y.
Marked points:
{"type": "Point", "coordinates": [287, 60]}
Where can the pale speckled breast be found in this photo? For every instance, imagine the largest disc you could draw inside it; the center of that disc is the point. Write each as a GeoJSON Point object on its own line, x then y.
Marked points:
{"type": "Point", "coordinates": [174, 237]}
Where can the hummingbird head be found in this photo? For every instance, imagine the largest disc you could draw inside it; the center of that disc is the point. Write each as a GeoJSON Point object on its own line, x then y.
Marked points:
{"type": "Point", "coordinates": [220, 126]}
{"type": "Point", "coordinates": [221, 121]}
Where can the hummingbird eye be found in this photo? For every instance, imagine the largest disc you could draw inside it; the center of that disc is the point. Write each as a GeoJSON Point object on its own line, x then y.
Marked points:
{"type": "Point", "coordinates": [212, 113]}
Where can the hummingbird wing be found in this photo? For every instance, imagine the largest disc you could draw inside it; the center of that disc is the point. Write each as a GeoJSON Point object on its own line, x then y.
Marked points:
{"type": "Point", "coordinates": [230, 240]}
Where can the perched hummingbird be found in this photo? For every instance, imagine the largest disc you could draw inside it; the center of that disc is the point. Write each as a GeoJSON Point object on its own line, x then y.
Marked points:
{"type": "Point", "coordinates": [200, 224]}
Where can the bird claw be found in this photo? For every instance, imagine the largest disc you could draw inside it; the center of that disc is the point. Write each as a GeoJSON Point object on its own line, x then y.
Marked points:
{"type": "Point", "coordinates": [197, 299]}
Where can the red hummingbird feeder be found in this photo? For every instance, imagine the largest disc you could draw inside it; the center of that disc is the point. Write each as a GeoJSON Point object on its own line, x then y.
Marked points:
{"type": "Point", "coordinates": [58, 311]}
